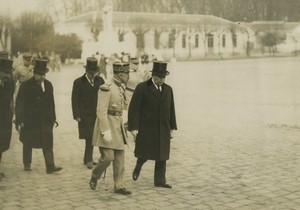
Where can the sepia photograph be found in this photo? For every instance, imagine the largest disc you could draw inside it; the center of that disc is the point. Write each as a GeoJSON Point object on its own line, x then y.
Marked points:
{"type": "Point", "coordinates": [150, 104]}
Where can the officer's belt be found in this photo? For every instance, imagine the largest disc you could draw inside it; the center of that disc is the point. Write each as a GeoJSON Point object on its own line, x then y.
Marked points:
{"type": "Point", "coordinates": [130, 89]}
{"type": "Point", "coordinates": [114, 113]}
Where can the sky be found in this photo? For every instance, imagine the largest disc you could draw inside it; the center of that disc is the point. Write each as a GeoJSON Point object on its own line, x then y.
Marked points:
{"type": "Point", "coordinates": [13, 8]}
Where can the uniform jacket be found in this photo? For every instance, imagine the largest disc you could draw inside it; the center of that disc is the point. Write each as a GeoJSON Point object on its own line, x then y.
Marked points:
{"type": "Point", "coordinates": [152, 113]}
{"type": "Point", "coordinates": [6, 114]}
{"type": "Point", "coordinates": [84, 104]}
{"type": "Point", "coordinates": [36, 109]}
{"type": "Point", "coordinates": [111, 100]}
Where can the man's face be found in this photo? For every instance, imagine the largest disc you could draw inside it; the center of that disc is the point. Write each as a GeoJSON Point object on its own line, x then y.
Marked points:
{"type": "Point", "coordinates": [4, 76]}
{"type": "Point", "coordinates": [26, 62]}
{"type": "Point", "coordinates": [91, 74]}
{"type": "Point", "coordinates": [158, 80]}
{"type": "Point", "coordinates": [134, 66]}
{"type": "Point", "coordinates": [124, 77]}
{"type": "Point", "coordinates": [39, 77]}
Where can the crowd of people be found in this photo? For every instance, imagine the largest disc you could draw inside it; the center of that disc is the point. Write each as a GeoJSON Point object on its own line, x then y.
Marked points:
{"type": "Point", "coordinates": [98, 104]}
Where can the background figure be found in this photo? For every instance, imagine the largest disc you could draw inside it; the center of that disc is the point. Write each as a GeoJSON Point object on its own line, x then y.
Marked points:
{"type": "Point", "coordinates": [135, 78]}
{"type": "Point", "coordinates": [109, 133]}
{"type": "Point", "coordinates": [151, 118]}
{"type": "Point", "coordinates": [23, 72]}
{"type": "Point", "coordinates": [84, 105]}
{"type": "Point", "coordinates": [35, 117]}
{"type": "Point", "coordinates": [6, 105]}
{"type": "Point", "coordinates": [102, 65]}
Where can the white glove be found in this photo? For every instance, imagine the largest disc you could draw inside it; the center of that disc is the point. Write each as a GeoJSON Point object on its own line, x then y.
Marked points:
{"type": "Point", "coordinates": [171, 134]}
{"type": "Point", "coordinates": [107, 136]}
{"type": "Point", "coordinates": [134, 133]}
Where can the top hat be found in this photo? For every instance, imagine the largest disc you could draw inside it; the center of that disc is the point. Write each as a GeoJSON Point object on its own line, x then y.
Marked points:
{"type": "Point", "coordinates": [91, 64]}
{"type": "Point", "coordinates": [120, 67]}
{"type": "Point", "coordinates": [134, 60]}
{"type": "Point", "coordinates": [6, 65]}
{"type": "Point", "coordinates": [3, 54]}
{"type": "Point", "coordinates": [27, 56]}
{"type": "Point", "coordinates": [160, 69]}
{"type": "Point", "coordinates": [40, 66]}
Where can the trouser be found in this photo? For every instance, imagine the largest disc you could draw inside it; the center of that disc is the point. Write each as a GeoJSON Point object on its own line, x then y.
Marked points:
{"type": "Point", "coordinates": [47, 152]}
{"type": "Point", "coordinates": [159, 170]}
{"type": "Point", "coordinates": [108, 156]}
{"type": "Point", "coordinates": [88, 152]}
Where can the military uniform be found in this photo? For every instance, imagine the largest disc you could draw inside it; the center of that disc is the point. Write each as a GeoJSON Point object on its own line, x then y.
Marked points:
{"type": "Point", "coordinates": [111, 103]}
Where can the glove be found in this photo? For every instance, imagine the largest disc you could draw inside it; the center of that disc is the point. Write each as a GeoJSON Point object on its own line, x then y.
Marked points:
{"type": "Point", "coordinates": [107, 136]}
{"type": "Point", "coordinates": [171, 134]}
{"type": "Point", "coordinates": [134, 133]}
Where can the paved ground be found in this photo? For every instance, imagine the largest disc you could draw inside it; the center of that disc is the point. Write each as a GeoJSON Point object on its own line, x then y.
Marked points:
{"type": "Point", "coordinates": [237, 146]}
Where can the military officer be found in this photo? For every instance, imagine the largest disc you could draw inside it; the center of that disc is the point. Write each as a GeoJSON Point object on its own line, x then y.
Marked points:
{"type": "Point", "coordinates": [109, 133]}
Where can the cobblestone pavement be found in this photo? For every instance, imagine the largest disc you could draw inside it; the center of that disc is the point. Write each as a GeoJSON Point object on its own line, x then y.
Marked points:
{"type": "Point", "coordinates": [237, 146]}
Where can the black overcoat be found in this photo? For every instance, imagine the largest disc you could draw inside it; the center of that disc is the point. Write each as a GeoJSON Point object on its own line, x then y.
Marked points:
{"type": "Point", "coordinates": [6, 114]}
{"type": "Point", "coordinates": [153, 114]}
{"type": "Point", "coordinates": [84, 104]}
{"type": "Point", "coordinates": [36, 109]}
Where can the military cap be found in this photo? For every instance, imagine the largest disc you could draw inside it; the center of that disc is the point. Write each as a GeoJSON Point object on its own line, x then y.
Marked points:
{"type": "Point", "coordinates": [27, 56]}
{"type": "Point", "coordinates": [3, 54]}
{"type": "Point", "coordinates": [120, 67]}
{"type": "Point", "coordinates": [92, 64]}
{"type": "Point", "coordinates": [160, 69]}
{"type": "Point", "coordinates": [134, 60]}
{"type": "Point", "coordinates": [40, 66]}
{"type": "Point", "coordinates": [6, 65]}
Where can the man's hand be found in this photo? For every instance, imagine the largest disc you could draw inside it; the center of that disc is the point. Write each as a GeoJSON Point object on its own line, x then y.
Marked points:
{"type": "Point", "coordinates": [134, 133]}
{"type": "Point", "coordinates": [171, 134]}
{"type": "Point", "coordinates": [78, 119]}
{"type": "Point", "coordinates": [19, 127]}
{"type": "Point", "coordinates": [107, 136]}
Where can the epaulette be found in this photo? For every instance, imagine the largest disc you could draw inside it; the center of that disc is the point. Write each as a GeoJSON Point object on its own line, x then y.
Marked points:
{"type": "Point", "coordinates": [105, 87]}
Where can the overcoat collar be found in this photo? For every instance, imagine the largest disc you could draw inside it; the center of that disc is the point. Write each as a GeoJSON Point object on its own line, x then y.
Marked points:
{"type": "Point", "coordinates": [151, 87]}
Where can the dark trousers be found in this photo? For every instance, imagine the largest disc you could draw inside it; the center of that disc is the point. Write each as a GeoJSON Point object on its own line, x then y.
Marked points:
{"type": "Point", "coordinates": [159, 170]}
{"type": "Point", "coordinates": [47, 152]}
{"type": "Point", "coordinates": [88, 152]}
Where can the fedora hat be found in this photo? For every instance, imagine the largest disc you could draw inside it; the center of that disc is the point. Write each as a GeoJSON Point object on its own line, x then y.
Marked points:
{"type": "Point", "coordinates": [40, 66]}
{"type": "Point", "coordinates": [160, 69]}
{"type": "Point", "coordinates": [119, 67]}
{"type": "Point", "coordinates": [91, 64]}
{"type": "Point", "coordinates": [6, 65]}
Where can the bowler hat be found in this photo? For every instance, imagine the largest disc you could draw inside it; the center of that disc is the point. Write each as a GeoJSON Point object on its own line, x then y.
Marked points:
{"type": "Point", "coordinates": [40, 66]}
{"type": "Point", "coordinates": [91, 64]}
{"type": "Point", "coordinates": [160, 69]}
{"type": "Point", "coordinates": [120, 67]}
{"type": "Point", "coordinates": [3, 54]}
{"type": "Point", "coordinates": [6, 65]}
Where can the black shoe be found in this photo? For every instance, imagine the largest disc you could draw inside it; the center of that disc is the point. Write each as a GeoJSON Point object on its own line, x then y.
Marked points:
{"type": "Point", "coordinates": [123, 191]}
{"type": "Point", "coordinates": [53, 169]}
{"type": "Point", "coordinates": [27, 168]}
{"type": "Point", "coordinates": [163, 185]}
{"type": "Point", "coordinates": [93, 183]}
{"type": "Point", "coordinates": [136, 174]}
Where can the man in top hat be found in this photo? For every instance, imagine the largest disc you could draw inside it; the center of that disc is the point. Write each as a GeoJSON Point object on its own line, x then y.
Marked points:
{"type": "Point", "coordinates": [23, 72]}
{"type": "Point", "coordinates": [35, 116]}
{"type": "Point", "coordinates": [109, 134]}
{"type": "Point", "coordinates": [6, 106]}
{"type": "Point", "coordinates": [151, 118]}
{"type": "Point", "coordinates": [84, 105]}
